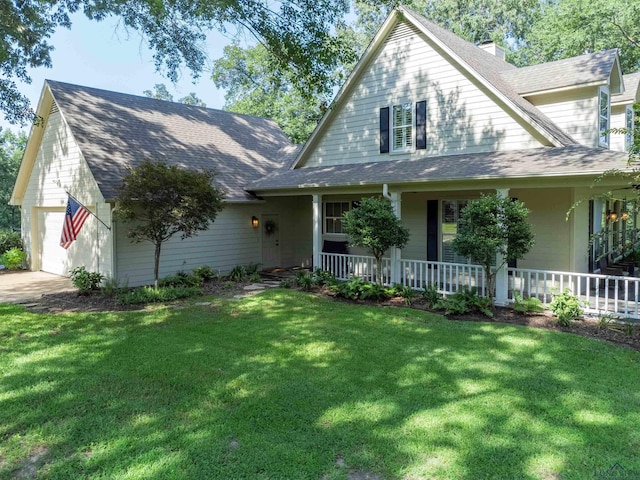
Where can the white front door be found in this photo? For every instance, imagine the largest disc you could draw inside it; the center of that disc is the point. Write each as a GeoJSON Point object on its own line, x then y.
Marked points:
{"type": "Point", "coordinates": [271, 241]}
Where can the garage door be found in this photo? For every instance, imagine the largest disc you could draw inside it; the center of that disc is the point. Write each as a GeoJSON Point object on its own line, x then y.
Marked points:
{"type": "Point", "coordinates": [53, 258]}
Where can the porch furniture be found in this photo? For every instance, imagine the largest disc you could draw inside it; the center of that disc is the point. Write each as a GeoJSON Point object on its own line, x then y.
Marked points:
{"type": "Point", "coordinates": [625, 264]}
{"type": "Point", "coordinates": [606, 269]}
{"type": "Point", "coordinates": [333, 246]}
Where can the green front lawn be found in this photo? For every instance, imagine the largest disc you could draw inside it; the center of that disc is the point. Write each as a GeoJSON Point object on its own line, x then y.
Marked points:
{"type": "Point", "coordinates": [289, 386]}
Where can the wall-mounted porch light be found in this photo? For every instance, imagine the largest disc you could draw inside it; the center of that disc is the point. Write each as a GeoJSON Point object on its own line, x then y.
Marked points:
{"type": "Point", "coordinates": [254, 222]}
{"type": "Point", "coordinates": [612, 216]}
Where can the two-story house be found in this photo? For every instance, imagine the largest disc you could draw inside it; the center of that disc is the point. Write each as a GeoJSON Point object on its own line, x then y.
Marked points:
{"type": "Point", "coordinates": [427, 119]}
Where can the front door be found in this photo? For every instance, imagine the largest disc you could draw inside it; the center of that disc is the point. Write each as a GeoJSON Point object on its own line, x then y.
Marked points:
{"type": "Point", "coordinates": [271, 241]}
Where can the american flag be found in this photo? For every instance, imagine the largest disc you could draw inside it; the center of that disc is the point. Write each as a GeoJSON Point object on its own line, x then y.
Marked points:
{"type": "Point", "coordinates": [74, 218]}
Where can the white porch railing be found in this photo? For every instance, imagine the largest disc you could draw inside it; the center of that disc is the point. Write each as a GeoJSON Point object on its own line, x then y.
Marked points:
{"type": "Point", "coordinates": [448, 277]}
{"type": "Point", "coordinates": [345, 267]}
{"type": "Point", "coordinates": [602, 294]}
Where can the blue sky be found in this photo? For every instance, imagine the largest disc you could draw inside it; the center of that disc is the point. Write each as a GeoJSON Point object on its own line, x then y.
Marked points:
{"type": "Point", "coordinates": [103, 55]}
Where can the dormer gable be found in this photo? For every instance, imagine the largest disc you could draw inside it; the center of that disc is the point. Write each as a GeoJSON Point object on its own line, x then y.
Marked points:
{"type": "Point", "coordinates": [469, 107]}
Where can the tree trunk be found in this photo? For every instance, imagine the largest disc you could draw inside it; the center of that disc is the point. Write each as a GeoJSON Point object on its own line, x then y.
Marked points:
{"type": "Point", "coordinates": [156, 266]}
{"type": "Point", "coordinates": [491, 284]}
{"type": "Point", "coordinates": [379, 271]}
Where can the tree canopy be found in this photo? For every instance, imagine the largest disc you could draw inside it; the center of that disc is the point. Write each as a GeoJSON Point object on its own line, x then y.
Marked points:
{"type": "Point", "coordinates": [298, 33]}
{"type": "Point", "coordinates": [160, 92]}
{"type": "Point", "coordinates": [256, 84]}
{"type": "Point", "coordinates": [11, 150]}
{"type": "Point", "coordinates": [373, 225]}
{"type": "Point", "coordinates": [490, 226]}
{"type": "Point", "coordinates": [160, 201]}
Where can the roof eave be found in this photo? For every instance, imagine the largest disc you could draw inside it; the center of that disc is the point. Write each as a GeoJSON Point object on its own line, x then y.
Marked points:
{"type": "Point", "coordinates": [376, 42]}
{"type": "Point", "coordinates": [562, 89]}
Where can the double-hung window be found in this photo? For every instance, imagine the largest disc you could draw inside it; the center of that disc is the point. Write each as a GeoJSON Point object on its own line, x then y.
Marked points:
{"type": "Point", "coordinates": [603, 116]}
{"type": "Point", "coordinates": [629, 124]}
{"type": "Point", "coordinates": [333, 216]}
{"type": "Point", "coordinates": [402, 127]}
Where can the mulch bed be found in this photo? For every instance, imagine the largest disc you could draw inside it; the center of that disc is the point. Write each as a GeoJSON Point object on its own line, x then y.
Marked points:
{"type": "Point", "coordinates": [615, 332]}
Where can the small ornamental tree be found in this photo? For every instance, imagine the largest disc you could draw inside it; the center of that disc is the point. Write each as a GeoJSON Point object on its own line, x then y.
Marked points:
{"type": "Point", "coordinates": [374, 226]}
{"type": "Point", "coordinates": [493, 225]}
{"type": "Point", "coordinates": [159, 201]}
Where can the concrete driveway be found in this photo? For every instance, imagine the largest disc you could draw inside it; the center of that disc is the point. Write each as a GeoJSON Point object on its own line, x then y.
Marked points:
{"type": "Point", "coordinates": [23, 287]}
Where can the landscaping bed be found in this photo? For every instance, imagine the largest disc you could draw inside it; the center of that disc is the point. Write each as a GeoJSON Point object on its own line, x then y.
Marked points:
{"type": "Point", "coordinates": [626, 334]}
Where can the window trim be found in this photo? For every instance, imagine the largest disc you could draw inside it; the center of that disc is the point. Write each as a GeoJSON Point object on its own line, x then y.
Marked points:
{"type": "Point", "coordinates": [603, 140]}
{"type": "Point", "coordinates": [629, 117]}
{"type": "Point", "coordinates": [392, 127]}
{"type": "Point", "coordinates": [325, 217]}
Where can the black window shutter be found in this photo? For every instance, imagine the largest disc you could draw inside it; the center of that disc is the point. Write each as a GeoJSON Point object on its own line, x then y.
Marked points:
{"type": "Point", "coordinates": [384, 130]}
{"type": "Point", "coordinates": [432, 230]}
{"type": "Point", "coordinates": [421, 125]}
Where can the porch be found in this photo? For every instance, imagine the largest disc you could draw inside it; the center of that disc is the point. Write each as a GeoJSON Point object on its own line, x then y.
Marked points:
{"type": "Point", "coordinates": [602, 294]}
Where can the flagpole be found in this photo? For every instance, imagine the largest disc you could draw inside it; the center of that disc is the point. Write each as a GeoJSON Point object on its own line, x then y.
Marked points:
{"type": "Point", "coordinates": [97, 218]}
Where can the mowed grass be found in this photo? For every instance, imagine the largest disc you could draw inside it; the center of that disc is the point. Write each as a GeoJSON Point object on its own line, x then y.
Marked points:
{"type": "Point", "coordinates": [289, 386]}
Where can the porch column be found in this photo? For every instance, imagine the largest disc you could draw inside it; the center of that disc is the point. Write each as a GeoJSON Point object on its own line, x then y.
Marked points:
{"type": "Point", "coordinates": [396, 253]}
{"type": "Point", "coordinates": [502, 279]}
{"type": "Point", "coordinates": [317, 230]}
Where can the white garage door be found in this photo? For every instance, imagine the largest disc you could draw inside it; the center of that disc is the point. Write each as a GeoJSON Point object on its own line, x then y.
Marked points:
{"type": "Point", "coordinates": [53, 258]}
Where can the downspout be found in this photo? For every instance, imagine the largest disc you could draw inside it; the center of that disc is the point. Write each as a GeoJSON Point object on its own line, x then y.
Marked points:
{"type": "Point", "coordinates": [385, 191]}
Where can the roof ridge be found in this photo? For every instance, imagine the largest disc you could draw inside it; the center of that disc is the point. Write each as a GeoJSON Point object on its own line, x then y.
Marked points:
{"type": "Point", "coordinates": [152, 100]}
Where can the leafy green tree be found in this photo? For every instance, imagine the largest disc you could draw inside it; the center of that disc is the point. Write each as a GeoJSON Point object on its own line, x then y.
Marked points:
{"type": "Point", "coordinates": [160, 92]}
{"type": "Point", "coordinates": [505, 22]}
{"type": "Point", "coordinates": [159, 201]}
{"type": "Point", "coordinates": [567, 28]}
{"type": "Point", "coordinates": [256, 84]}
{"type": "Point", "coordinates": [491, 226]}
{"type": "Point", "coordinates": [374, 226]}
{"type": "Point", "coordinates": [11, 151]}
{"type": "Point", "coordinates": [299, 35]}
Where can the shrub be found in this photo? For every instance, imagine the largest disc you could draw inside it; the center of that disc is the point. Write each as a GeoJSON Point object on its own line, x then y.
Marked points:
{"type": "Point", "coordinates": [285, 284]}
{"type": "Point", "coordinates": [86, 281]}
{"type": "Point", "coordinates": [13, 259]}
{"type": "Point", "coordinates": [431, 295]}
{"type": "Point", "coordinates": [303, 280]}
{"type": "Point", "coordinates": [206, 273]}
{"type": "Point", "coordinates": [466, 301]}
{"type": "Point", "coordinates": [526, 305]}
{"type": "Point", "coordinates": [155, 295]}
{"type": "Point", "coordinates": [8, 240]}
{"type": "Point", "coordinates": [408, 294]}
{"type": "Point", "coordinates": [242, 273]}
{"type": "Point", "coordinates": [180, 279]}
{"type": "Point", "coordinates": [566, 307]}
{"type": "Point", "coordinates": [323, 277]}
{"type": "Point", "coordinates": [111, 286]}
{"type": "Point", "coordinates": [358, 289]}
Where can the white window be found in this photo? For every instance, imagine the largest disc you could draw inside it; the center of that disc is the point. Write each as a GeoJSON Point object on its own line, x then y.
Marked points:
{"type": "Point", "coordinates": [603, 116]}
{"type": "Point", "coordinates": [628, 138]}
{"type": "Point", "coordinates": [402, 127]}
{"type": "Point", "coordinates": [333, 216]}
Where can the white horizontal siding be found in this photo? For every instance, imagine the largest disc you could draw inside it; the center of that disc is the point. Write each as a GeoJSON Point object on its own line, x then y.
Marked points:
{"type": "Point", "coordinates": [618, 120]}
{"type": "Point", "coordinates": [59, 167]}
{"type": "Point", "coordinates": [461, 116]}
{"type": "Point", "coordinates": [576, 112]}
{"type": "Point", "coordinates": [229, 242]}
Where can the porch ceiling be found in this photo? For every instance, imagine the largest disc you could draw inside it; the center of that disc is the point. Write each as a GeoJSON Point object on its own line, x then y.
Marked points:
{"type": "Point", "coordinates": [571, 161]}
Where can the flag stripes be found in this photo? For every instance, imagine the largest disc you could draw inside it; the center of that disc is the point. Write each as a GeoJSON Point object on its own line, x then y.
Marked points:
{"type": "Point", "coordinates": [74, 218]}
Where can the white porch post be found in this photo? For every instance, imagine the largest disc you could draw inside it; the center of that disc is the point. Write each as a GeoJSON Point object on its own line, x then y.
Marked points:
{"type": "Point", "coordinates": [317, 230]}
{"type": "Point", "coordinates": [502, 279]}
{"type": "Point", "coordinates": [396, 253]}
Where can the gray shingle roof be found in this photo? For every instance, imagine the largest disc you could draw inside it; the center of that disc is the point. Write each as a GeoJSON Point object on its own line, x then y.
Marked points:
{"type": "Point", "coordinates": [574, 160]}
{"type": "Point", "coordinates": [631, 85]}
{"type": "Point", "coordinates": [116, 130]}
{"type": "Point", "coordinates": [491, 68]}
{"type": "Point", "coordinates": [585, 69]}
